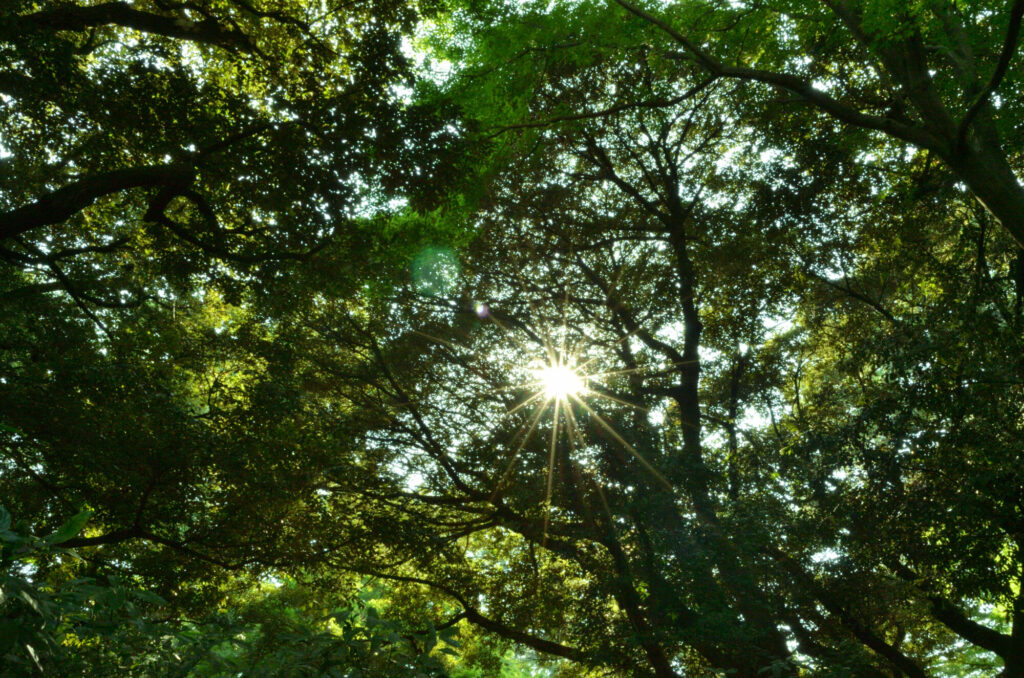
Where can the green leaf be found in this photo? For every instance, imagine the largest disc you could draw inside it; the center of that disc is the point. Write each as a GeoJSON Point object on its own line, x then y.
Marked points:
{"type": "Point", "coordinates": [32, 602]}
{"type": "Point", "coordinates": [69, 529]}
{"type": "Point", "coordinates": [150, 597]}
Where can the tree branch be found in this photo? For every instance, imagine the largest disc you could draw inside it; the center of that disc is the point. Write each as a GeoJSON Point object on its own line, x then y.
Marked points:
{"type": "Point", "coordinates": [792, 83]}
{"type": "Point", "coordinates": [1009, 47]}
{"type": "Point", "coordinates": [958, 622]}
{"type": "Point", "coordinates": [611, 110]}
{"type": "Point", "coordinates": [75, 18]}
{"type": "Point", "coordinates": [59, 205]}
{"type": "Point", "coordinates": [474, 616]}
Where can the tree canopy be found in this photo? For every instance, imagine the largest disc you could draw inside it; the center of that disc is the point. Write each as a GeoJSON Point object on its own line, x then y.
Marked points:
{"type": "Point", "coordinates": [512, 339]}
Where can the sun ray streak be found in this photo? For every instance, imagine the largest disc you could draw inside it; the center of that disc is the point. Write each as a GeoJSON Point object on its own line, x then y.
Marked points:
{"type": "Point", "coordinates": [551, 471]}
{"type": "Point", "coordinates": [652, 370]}
{"type": "Point", "coordinates": [515, 454]}
{"type": "Point", "coordinates": [642, 408]}
{"type": "Point", "coordinates": [519, 342]}
{"type": "Point", "coordinates": [518, 386]}
{"type": "Point", "coordinates": [617, 341]}
{"type": "Point", "coordinates": [443, 342]}
{"type": "Point", "coordinates": [622, 441]}
{"type": "Point", "coordinates": [606, 507]}
{"type": "Point", "coordinates": [565, 330]}
{"type": "Point", "coordinates": [535, 396]}
{"type": "Point", "coordinates": [549, 347]}
{"type": "Point", "coordinates": [574, 430]}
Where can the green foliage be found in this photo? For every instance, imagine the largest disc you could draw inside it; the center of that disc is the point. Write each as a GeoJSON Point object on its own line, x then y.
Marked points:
{"type": "Point", "coordinates": [286, 631]}
{"type": "Point", "coordinates": [275, 294]}
{"type": "Point", "coordinates": [55, 624]}
{"type": "Point", "coordinates": [51, 624]}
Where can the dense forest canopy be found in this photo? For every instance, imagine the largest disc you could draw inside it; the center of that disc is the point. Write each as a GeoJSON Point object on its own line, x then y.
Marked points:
{"type": "Point", "coordinates": [370, 338]}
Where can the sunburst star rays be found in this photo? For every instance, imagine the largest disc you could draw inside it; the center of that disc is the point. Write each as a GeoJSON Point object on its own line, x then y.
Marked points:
{"type": "Point", "coordinates": [561, 385]}
{"type": "Point", "coordinates": [562, 382]}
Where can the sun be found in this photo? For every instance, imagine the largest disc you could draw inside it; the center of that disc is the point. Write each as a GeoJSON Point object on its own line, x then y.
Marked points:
{"type": "Point", "coordinates": [560, 382]}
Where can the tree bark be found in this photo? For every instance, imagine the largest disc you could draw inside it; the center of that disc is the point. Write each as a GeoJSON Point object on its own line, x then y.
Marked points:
{"type": "Point", "coordinates": [983, 169]}
{"type": "Point", "coordinates": [76, 18]}
{"type": "Point", "coordinates": [57, 206]}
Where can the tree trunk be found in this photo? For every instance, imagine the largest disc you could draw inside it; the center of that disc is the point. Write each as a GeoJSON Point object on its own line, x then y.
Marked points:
{"type": "Point", "coordinates": [984, 170]}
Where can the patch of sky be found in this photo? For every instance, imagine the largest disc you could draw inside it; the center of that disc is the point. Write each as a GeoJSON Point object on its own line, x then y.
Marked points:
{"type": "Point", "coordinates": [826, 555]}
{"type": "Point", "coordinates": [728, 159]}
{"type": "Point", "coordinates": [714, 439]}
{"type": "Point", "coordinates": [428, 65]}
{"type": "Point", "coordinates": [708, 354]}
{"type": "Point", "coordinates": [776, 325]}
{"type": "Point", "coordinates": [752, 418]}
{"type": "Point", "coordinates": [413, 480]}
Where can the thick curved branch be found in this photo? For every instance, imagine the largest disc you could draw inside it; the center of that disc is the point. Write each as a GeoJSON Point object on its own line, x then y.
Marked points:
{"type": "Point", "coordinates": [791, 83]}
{"type": "Point", "coordinates": [607, 112]}
{"type": "Point", "coordinates": [113, 537]}
{"type": "Point", "coordinates": [1009, 47]}
{"type": "Point", "coordinates": [59, 205]}
{"type": "Point", "coordinates": [473, 615]}
{"type": "Point", "coordinates": [75, 18]}
{"type": "Point", "coordinates": [958, 622]}
{"type": "Point", "coordinates": [280, 17]}
{"type": "Point", "coordinates": [859, 296]}
{"type": "Point", "coordinates": [835, 607]}
{"type": "Point", "coordinates": [137, 533]}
